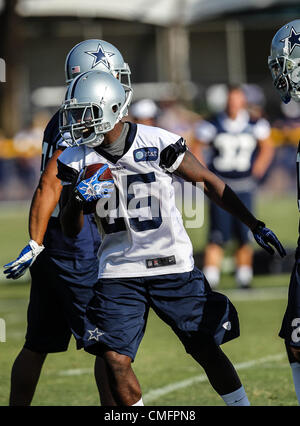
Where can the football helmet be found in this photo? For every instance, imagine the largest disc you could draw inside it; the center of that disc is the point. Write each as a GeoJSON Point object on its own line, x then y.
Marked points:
{"type": "Point", "coordinates": [284, 61]}
{"type": "Point", "coordinates": [94, 54]}
{"type": "Point", "coordinates": [94, 103]}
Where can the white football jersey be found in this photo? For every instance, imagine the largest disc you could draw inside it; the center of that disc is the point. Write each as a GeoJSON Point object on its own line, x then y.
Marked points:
{"type": "Point", "coordinates": [142, 230]}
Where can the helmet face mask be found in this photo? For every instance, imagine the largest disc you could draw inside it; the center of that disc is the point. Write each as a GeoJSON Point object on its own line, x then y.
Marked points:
{"type": "Point", "coordinates": [82, 121]}
{"type": "Point", "coordinates": [284, 61]}
{"type": "Point", "coordinates": [95, 103]}
{"type": "Point", "coordinates": [280, 78]}
{"type": "Point", "coordinates": [123, 75]}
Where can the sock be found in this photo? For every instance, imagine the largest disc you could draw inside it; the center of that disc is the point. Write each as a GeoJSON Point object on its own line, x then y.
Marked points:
{"type": "Point", "coordinates": [140, 402]}
{"type": "Point", "coordinates": [295, 366]}
{"type": "Point", "coordinates": [212, 274]}
{"type": "Point", "coordinates": [236, 398]}
{"type": "Point", "coordinates": [244, 275]}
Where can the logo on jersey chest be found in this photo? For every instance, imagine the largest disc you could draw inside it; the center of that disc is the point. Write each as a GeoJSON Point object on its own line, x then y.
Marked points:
{"type": "Point", "coordinates": [149, 153]}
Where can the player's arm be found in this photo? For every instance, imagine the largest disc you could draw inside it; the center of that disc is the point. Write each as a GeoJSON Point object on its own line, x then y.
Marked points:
{"type": "Point", "coordinates": [264, 157]}
{"type": "Point", "coordinates": [71, 207]}
{"type": "Point", "coordinates": [193, 171]}
{"type": "Point", "coordinates": [43, 203]}
{"type": "Point", "coordinates": [45, 199]}
{"type": "Point", "coordinates": [265, 154]}
{"type": "Point", "coordinates": [198, 150]}
{"type": "Point", "coordinates": [71, 212]}
{"type": "Point", "coordinates": [205, 132]}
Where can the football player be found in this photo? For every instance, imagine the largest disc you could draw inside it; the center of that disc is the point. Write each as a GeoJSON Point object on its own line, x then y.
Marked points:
{"type": "Point", "coordinates": [144, 111]}
{"type": "Point", "coordinates": [284, 65]}
{"type": "Point", "coordinates": [63, 270]}
{"type": "Point", "coordinates": [146, 257]}
{"type": "Point", "coordinates": [239, 151]}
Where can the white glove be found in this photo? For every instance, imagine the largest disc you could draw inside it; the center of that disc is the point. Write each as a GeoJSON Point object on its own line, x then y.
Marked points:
{"type": "Point", "coordinates": [17, 268]}
{"type": "Point", "coordinates": [66, 136]}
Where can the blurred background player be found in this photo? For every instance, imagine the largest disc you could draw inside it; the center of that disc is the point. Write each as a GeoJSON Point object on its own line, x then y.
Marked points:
{"type": "Point", "coordinates": [63, 270]}
{"type": "Point", "coordinates": [238, 150]}
{"type": "Point", "coordinates": [284, 65]}
{"type": "Point", "coordinates": [176, 117]}
{"type": "Point", "coordinates": [145, 112]}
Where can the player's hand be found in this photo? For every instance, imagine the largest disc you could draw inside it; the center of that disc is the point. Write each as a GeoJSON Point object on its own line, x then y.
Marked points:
{"type": "Point", "coordinates": [92, 189]}
{"type": "Point", "coordinates": [17, 268]}
{"type": "Point", "coordinates": [264, 237]}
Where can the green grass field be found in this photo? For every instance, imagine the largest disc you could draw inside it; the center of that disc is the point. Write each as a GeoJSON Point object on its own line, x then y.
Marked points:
{"type": "Point", "coordinates": [167, 375]}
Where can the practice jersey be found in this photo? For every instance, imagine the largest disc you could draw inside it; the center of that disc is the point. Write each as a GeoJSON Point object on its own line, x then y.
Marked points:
{"type": "Point", "coordinates": [233, 146]}
{"type": "Point", "coordinates": [86, 244]}
{"type": "Point", "coordinates": [142, 230]}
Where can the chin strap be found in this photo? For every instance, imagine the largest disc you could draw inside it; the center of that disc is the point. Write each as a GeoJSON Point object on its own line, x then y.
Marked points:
{"type": "Point", "coordinates": [97, 142]}
{"type": "Point", "coordinates": [124, 110]}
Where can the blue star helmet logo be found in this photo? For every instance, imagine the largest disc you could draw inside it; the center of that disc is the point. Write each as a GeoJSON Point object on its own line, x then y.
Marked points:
{"type": "Point", "coordinates": [293, 39]}
{"type": "Point", "coordinates": [100, 56]}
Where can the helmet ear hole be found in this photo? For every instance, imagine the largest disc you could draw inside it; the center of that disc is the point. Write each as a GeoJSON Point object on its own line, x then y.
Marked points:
{"type": "Point", "coordinates": [115, 108]}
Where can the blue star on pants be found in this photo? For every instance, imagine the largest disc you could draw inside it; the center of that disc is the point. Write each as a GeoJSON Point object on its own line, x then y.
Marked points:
{"type": "Point", "coordinates": [95, 334]}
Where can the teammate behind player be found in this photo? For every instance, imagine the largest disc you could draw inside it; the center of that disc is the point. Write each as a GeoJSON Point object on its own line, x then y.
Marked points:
{"type": "Point", "coordinates": [284, 64]}
{"type": "Point", "coordinates": [239, 152]}
{"type": "Point", "coordinates": [63, 270]}
{"type": "Point", "coordinates": [146, 257]}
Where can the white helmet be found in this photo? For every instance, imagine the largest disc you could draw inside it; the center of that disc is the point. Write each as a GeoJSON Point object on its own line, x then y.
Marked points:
{"type": "Point", "coordinates": [95, 102]}
{"type": "Point", "coordinates": [284, 61]}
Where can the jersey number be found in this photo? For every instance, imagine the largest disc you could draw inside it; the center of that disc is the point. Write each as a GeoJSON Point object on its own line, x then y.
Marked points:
{"type": "Point", "coordinates": [235, 152]}
{"type": "Point", "coordinates": [296, 331]}
{"type": "Point", "coordinates": [136, 203]}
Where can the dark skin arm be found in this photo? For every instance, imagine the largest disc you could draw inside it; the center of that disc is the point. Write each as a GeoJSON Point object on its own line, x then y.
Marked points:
{"type": "Point", "coordinates": [192, 170]}
{"type": "Point", "coordinates": [44, 200]}
{"type": "Point", "coordinates": [71, 214]}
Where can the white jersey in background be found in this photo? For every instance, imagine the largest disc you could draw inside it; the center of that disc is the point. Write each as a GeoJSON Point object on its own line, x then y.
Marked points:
{"type": "Point", "coordinates": [143, 232]}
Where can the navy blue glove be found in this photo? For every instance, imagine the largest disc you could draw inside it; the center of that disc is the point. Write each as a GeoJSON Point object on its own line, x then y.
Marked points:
{"type": "Point", "coordinates": [264, 237]}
